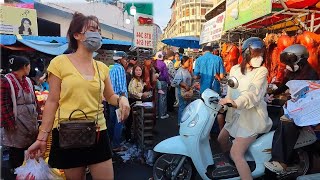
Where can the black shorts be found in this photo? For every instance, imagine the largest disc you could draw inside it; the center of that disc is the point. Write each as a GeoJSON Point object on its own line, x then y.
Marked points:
{"type": "Point", "coordinates": [72, 158]}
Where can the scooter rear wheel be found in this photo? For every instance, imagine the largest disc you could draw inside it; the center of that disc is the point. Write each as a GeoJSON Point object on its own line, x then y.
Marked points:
{"type": "Point", "coordinates": [167, 163]}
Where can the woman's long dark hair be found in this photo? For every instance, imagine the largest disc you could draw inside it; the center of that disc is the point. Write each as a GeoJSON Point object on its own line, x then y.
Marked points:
{"type": "Point", "coordinates": [78, 23]}
{"type": "Point", "coordinates": [21, 28]}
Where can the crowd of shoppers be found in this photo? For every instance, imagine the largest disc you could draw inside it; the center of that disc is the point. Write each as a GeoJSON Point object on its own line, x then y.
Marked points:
{"type": "Point", "coordinates": [168, 79]}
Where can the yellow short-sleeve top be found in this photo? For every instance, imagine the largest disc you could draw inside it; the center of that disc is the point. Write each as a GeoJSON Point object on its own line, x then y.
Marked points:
{"type": "Point", "coordinates": [77, 92]}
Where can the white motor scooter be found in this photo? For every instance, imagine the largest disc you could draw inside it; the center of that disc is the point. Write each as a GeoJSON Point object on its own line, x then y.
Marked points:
{"type": "Point", "coordinates": [192, 146]}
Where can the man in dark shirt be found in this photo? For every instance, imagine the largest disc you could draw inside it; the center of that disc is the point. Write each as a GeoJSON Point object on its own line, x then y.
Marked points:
{"type": "Point", "coordinates": [129, 73]}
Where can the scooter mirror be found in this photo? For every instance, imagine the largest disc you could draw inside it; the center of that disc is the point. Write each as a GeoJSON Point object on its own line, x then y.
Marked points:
{"type": "Point", "coordinates": [233, 82]}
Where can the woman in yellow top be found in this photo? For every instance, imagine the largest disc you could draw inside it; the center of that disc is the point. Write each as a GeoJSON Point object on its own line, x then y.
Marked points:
{"type": "Point", "coordinates": [74, 84]}
{"type": "Point", "coordinates": [136, 85]}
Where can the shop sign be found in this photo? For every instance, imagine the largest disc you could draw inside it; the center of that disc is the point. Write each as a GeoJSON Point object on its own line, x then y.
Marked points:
{"type": "Point", "coordinates": [15, 20]}
{"type": "Point", "coordinates": [212, 30]}
{"type": "Point", "coordinates": [239, 12]}
{"type": "Point", "coordinates": [143, 31]}
{"type": "Point", "coordinates": [20, 5]}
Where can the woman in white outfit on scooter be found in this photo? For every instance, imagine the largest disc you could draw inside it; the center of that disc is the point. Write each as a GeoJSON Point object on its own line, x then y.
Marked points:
{"type": "Point", "coordinates": [248, 116]}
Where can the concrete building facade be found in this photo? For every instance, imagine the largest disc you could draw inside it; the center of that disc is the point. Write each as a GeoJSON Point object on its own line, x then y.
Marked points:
{"type": "Point", "coordinates": [112, 18]}
{"type": "Point", "coordinates": [157, 35]}
{"type": "Point", "coordinates": [187, 17]}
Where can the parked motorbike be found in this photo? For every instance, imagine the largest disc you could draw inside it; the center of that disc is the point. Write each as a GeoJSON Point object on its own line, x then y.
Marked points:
{"type": "Point", "coordinates": [191, 150]}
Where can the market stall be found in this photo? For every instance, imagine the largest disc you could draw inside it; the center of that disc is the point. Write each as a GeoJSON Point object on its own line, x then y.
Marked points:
{"type": "Point", "coordinates": [280, 23]}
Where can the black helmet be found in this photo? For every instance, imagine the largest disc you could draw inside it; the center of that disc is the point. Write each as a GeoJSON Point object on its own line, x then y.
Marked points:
{"type": "Point", "coordinates": [253, 43]}
{"type": "Point", "coordinates": [294, 54]}
{"type": "Point", "coordinates": [119, 55]}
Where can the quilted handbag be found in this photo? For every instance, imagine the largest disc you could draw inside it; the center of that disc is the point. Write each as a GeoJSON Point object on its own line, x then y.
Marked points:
{"type": "Point", "coordinates": [77, 133]}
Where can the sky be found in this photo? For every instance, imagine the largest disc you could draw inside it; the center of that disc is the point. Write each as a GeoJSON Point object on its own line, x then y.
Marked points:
{"type": "Point", "coordinates": [162, 11]}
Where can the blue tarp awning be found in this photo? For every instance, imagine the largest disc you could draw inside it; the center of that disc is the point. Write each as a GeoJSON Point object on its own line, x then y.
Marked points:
{"type": "Point", "coordinates": [116, 42]}
{"type": "Point", "coordinates": [7, 39]}
{"type": "Point", "coordinates": [50, 39]}
{"type": "Point", "coordinates": [46, 47]}
{"type": "Point", "coordinates": [53, 45]}
{"type": "Point", "coordinates": [11, 39]}
{"type": "Point", "coordinates": [183, 42]}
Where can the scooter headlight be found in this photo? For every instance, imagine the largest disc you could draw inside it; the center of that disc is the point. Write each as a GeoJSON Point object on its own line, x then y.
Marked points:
{"type": "Point", "coordinates": [186, 113]}
{"type": "Point", "coordinates": [194, 121]}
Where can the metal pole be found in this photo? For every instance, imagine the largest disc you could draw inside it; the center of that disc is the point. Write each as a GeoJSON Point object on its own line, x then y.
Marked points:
{"type": "Point", "coordinates": [283, 4]}
{"type": "Point", "coordinates": [312, 22]}
{"type": "Point", "coordinates": [302, 24]}
{"type": "Point", "coordinates": [316, 28]}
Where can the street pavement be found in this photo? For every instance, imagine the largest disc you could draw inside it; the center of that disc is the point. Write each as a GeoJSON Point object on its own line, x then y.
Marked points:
{"type": "Point", "coordinates": [136, 170]}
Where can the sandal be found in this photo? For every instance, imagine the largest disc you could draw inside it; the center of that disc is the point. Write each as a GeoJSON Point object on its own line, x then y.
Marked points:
{"type": "Point", "coordinates": [275, 167]}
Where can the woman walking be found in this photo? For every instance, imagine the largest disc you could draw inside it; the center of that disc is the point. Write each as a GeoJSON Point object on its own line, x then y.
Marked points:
{"type": "Point", "coordinates": [79, 82]}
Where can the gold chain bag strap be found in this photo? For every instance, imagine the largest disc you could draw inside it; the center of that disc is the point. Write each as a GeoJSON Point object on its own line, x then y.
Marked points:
{"type": "Point", "coordinates": [79, 133]}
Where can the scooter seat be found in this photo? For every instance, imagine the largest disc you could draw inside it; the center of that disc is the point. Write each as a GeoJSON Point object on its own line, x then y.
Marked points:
{"type": "Point", "coordinates": [232, 138]}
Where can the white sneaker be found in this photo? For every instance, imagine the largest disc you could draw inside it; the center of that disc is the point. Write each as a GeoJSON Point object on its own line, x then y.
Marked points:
{"type": "Point", "coordinates": [165, 116]}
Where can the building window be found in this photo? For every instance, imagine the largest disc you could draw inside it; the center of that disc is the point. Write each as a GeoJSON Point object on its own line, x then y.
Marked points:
{"type": "Point", "coordinates": [187, 12]}
{"type": "Point", "coordinates": [203, 11]}
{"type": "Point", "coordinates": [193, 11]}
{"type": "Point", "coordinates": [192, 27]}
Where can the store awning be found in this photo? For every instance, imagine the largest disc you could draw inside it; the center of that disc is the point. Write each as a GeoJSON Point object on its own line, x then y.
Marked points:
{"type": "Point", "coordinates": [45, 47]}
{"type": "Point", "coordinates": [50, 39]}
{"type": "Point", "coordinates": [17, 48]}
{"type": "Point", "coordinates": [7, 39]}
{"type": "Point", "coordinates": [287, 17]}
{"type": "Point", "coordinates": [53, 45]}
{"type": "Point", "coordinates": [116, 42]}
{"type": "Point", "coordinates": [11, 39]}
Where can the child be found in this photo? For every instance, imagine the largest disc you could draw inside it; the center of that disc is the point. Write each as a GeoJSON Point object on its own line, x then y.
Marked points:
{"type": "Point", "coordinates": [182, 81]}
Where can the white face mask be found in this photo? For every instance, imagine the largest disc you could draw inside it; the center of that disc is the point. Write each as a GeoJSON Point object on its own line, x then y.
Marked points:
{"type": "Point", "coordinates": [256, 61]}
{"type": "Point", "coordinates": [295, 68]}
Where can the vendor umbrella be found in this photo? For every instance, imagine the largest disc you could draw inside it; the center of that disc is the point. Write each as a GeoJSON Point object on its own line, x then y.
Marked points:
{"type": "Point", "coordinates": [183, 42]}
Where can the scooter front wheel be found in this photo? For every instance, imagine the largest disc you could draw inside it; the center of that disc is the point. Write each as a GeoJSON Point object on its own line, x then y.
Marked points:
{"type": "Point", "coordinates": [166, 167]}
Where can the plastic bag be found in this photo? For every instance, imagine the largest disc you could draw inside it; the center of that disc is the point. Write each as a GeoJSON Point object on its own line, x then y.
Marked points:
{"type": "Point", "coordinates": [34, 169]}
